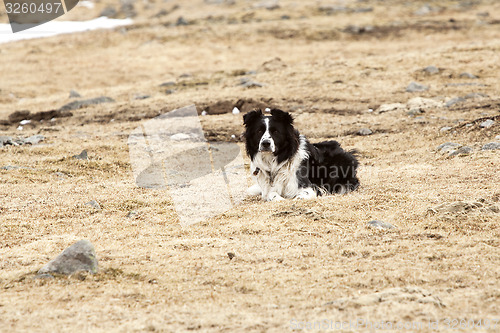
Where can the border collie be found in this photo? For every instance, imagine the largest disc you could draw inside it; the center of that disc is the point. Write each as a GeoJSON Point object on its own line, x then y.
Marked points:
{"type": "Point", "coordinates": [286, 165]}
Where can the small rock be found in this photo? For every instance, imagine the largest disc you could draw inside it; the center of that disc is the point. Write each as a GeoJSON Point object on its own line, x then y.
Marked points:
{"type": "Point", "coordinates": [468, 75]}
{"type": "Point", "coordinates": [487, 123]}
{"type": "Point", "coordinates": [491, 146]}
{"type": "Point", "coordinates": [365, 131]}
{"type": "Point", "coordinates": [5, 141]}
{"type": "Point", "coordinates": [25, 122]}
{"type": "Point", "coordinates": [431, 70]}
{"type": "Point", "coordinates": [185, 75]}
{"type": "Point", "coordinates": [84, 103]}
{"type": "Point", "coordinates": [415, 111]}
{"type": "Point", "coordinates": [236, 110]}
{"type": "Point", "coordinates": [140, 96]}
{"type": "Point", "coordinates": [34, 139]}
{"type": "Point", "coordinates": [231, 255]}
{"type": "Point", "coordinates": [109, 12]}
{"type": "Point", "coordinates": [168, 84]}
{"type": "Point", "coordinates": [267, 110]}
{"type": "Point", "coordinates": [204, 113]}
{"type": "Point", "coordinates": [74, 94]}
{"type": "Point", "coordinates": [448, 146]}
{"type": "Point", "coordinates": [82, 156]}
{"type": "Point", "coordinates": [454, 101]}
{"type": "Point", "coordinates": [80, 256]}
{"type": "Point", "coordinates": [181, 21]}
{"type": "Point", "coordinates": [252, 84]}
{"type": "Point", "coordinates": [180, 137]}
{"type": "Point", "coordinates": [380, 224]}
{"type": "Point", "coordinates": [445, 129]}
{"type": "Point", "coordinates": [169, 91]}
{"type": "Point", "coordinates": [462, 151]}
{"type": "Point", "coordinates": [416, 87]}
{"type": "Point", "coordinates": [94, 204]}
{"type": "Point", "coordinates": [133, 214]}
{"type": "Point", "coordinates": [475, 95]}
{"type": "Point", "coordinates": [20, 128]}
{"type": "Point", "coordinates": [391, 107]}
{"type": "Point", "coordinates": [497, 137]}
{"type": "Point", "coordinates": [12, 167]}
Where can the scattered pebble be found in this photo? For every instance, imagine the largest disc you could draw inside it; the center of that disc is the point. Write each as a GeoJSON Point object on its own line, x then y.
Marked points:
{"type": "Point", "coordinates": [416, 87]}
{"type": "Point", "coordinates": [448, 146]}
{"type": "Point", "coordinates": [140, 96]}
{"type": "Point", "coordinates": [487, 123]}
{"type": "Point", "coordinates": [391, 107]}
{"type": "Point", "coordinates": [24, 122]}
{"type": "Point", "coordinates": [236, 110]}
{"type": "Point", "coordinates": [365, 131]}
{"type": "Point", "coordinates": [231, 255]}
{"type": "Point", "coordinates": [181, 21]}
{"type": "Point", "coordinates": [74, 94]}
{"type": "Point", "coordinates": [167, 84]}
{"type": "Point", "coordinates": [5, 141]}
{"type": "Point", "coordinates": [468, 75]}
{"type": "Point", "coordinates": [380, 224]}
{"type": "Point", "coordinates": [34, 139]}
{"type": "Point", "coordinates": [80, 256]}
{"type": "Point", "coordinates": [233, 136]}
{"type": "Point", "coordinates": [204, 113]}
{"type": "Point", "coordinates": [454, 101]}
{"type": "Point", "coordinates": [445, 129]}
{"type": "Point", "coordinates": [94, 204]}
{"type": "Point", "coordinates": [169, 91]}
{"type": "Point", "coordinates": [491, 146]}
{"type": "Point", "coordinates": [431, 70]}
{"type": "Point", "coordinates": [20, 128]}
{"type": "Point", "coordinates": [248, 83]}
{"type": "Point", "coordinates": [84, 103]}
{"type": "Point", "coordinates": [180, 137]}
{"type": "Point", "coordinates": [465, 150]}
{"type": "Point", "coordinates": [82, 156]}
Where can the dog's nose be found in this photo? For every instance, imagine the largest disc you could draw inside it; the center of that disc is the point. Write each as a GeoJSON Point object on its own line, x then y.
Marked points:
{"type": "Point", "coordinates": [266, 144]}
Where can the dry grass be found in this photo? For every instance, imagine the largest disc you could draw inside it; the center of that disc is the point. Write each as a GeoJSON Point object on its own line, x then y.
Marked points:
{"type": "Point", "coordinates": [292, 258]}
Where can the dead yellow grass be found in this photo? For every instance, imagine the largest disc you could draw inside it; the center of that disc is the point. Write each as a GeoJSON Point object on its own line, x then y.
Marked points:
{"type": "Point", "coordinates": [294, 261]}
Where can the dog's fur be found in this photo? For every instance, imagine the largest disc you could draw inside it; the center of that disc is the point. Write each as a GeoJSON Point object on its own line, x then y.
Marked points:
{"type": "Point", "coordinates": [286, 165]}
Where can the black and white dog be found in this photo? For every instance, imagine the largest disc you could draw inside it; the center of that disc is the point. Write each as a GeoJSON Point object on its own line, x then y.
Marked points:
{"type": "Point", "coordinates": [286, 165]}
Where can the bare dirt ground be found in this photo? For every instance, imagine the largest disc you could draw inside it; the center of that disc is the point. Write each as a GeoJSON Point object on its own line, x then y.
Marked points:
{"type": "Point", "coordinates": [332, 65]}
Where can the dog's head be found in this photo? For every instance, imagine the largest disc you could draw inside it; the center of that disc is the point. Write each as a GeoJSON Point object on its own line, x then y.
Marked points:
{"type": "Point", "coordinates": [270, 134]}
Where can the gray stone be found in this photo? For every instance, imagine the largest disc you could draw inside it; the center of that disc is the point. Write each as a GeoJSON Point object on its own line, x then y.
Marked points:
{"type": "Point", "coordinates": [181, 21]}
{"type": "Point", "coordinates": [487, 123]}
{"type": "Point", "coordinates": [5, 141]}
{"type": "Point", "coordinates": [475, 95]}
{"type": "Point", "coordinates": [491, 146]}
{"type": "Point", "coordinates": [167, 84]}
{"type": "Point", "coordinates": [365, 131]}
{"type": "Point", "coordinates": [34, 139]}
{"type": "Point", "coordinates": [445, 129]}
{"type": "Point", "coordinates": [74, 94]}
{"type": "Point", "coordinates": [468, 75]}
{"type": "Point", "coordinates": [416, 87]}
{"type": "Point", "coordinates": [448, 146]}
{"type": "Point", "coordinates": [87, 102]}
{"type": "Point", "coordinates": [80, 256]}
{"type": "Point", "coordinates": [380, 224]}
{"type": "Point", "coordinates": [169, 91]}
{"type": "Point", "coordinates": [431, 70]}
{"type": "Point", "coordinates": [12, 167]}
{"type": "Point", "coordinates": [454, 101]}
{"type": "Point", "coordinates": [82, 156]}
{"type": "Point", "coordinates": [139, 96]}
{"type": "Point", "coordinates": [109, 12]}
{"type": "Point", "coordinates": [462, 151]}
{"type": "Point", "coordinates": [94, 204]}
{"type": "Point", "coordinates": [43, 276]}
{"type": "Point", "coordinates": [248, 83]}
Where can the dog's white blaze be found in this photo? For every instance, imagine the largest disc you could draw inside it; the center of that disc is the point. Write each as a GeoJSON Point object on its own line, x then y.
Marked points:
{"type": "Point", "coordinates": [281, 178]}
{"type": "Point", "coordinates": [267, 136]}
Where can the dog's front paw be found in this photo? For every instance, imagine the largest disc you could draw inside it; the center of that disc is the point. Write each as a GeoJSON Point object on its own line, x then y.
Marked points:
{"type": "Point", "coordinates": [274, 196]}
{"type": "Point", "coordinates": [307, 193]}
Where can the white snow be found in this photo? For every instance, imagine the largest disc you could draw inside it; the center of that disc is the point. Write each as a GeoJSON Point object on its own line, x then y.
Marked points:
{"type": "Point", "coordinates": [53, 28]}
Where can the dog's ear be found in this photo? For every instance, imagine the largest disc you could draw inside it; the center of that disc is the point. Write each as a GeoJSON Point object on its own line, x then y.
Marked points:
{"type": "Point", "coordinates": [282, 116]}
{"type": "Point", "coordinates": [251, 116]}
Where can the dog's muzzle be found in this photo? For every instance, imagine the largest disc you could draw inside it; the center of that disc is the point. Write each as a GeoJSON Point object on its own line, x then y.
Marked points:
{"type": "Point", "coordinates": [265, 146]}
